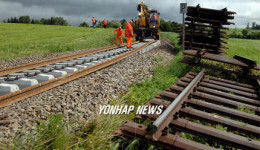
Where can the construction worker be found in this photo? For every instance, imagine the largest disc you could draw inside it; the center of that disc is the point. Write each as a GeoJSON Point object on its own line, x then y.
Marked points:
{"type": "Point", "coordinates": [94, 22]}
{"type": "Point", "coordinates": [154, 18]}
{"type": "Point", "coordinates": [132, 22]}
{"type": "Point", "coordinates": [105, 23]}
{"type": "Point", "coordinates": [129, 33]}
{"type": "Point", "coordinates": [119, 35]}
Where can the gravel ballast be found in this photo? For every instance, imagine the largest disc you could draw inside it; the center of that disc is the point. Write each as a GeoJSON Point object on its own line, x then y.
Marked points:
{"type": "Point", "coordinates": [78, 99]}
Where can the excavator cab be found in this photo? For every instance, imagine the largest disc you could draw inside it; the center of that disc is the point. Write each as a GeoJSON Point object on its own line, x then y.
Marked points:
{"type": "Point", "coordinates": [153, 18]}
{"type": "Point", "coordinates": [154, 23]}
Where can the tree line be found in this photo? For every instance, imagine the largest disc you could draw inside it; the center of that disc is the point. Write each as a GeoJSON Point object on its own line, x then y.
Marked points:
{"type": "Point", "coordinates": [166, 26]}
{"type": "Point", "coordinates": [45, 21]}
{"type": "Point", "coordinates": [110, 24]}
{"type": "Point", "coordinates": [169, 26]}
{"type": "Point", "coordinates": [254, 26]}
{"type": "Point", "coordinates": [245, 34]}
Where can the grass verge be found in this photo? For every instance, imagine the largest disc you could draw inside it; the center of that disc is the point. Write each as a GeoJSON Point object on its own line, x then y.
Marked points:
{"type": "Point", "coordinates": [244, 47]}
{"type": "Point", "coordinates": [19, 40]}
{"type": "Point", "coordinates": [100, 136]}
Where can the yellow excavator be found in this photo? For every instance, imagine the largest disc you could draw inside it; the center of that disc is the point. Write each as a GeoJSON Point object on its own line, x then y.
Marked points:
{"type": "Point", "coordinates": [147, 24]}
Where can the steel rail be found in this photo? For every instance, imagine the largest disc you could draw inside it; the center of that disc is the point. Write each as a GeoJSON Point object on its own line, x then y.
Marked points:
{"type": "Point", "coordinates": [155, 130]}
{"type": "Point", "coordinates": [27, 66]}
{"type": "Point", "coordinates": [209, 11]}
{"type": "Point", "coordinates": [44, 86]}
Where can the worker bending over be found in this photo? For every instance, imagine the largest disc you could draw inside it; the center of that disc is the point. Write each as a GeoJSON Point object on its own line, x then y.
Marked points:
{"type": "Point", "coordinates": [129, 33]}
{"type": "Point", "coordinates": [119, 35]}
{"type": "Point", "coordinates": [105, 23]}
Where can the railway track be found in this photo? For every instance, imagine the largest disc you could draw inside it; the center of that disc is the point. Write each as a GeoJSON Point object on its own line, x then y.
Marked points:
{"type": "Point", "coordinates": [27, 66]}
{"type": "Point", "coordinates": [200, 106]}
{"type": "Point", "coordinates": [55, 72]}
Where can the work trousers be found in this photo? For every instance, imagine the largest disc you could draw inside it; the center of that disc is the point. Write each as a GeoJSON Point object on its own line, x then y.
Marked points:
{"type": "Point", "coordinates": [129, 42]}
{"type": "Point", "coordinates": [120, 39]}
{"type": "Point", "coordinates": [94, 25]}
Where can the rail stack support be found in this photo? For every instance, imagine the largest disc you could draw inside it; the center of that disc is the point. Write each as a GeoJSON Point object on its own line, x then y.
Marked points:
{"type": "Point", "coordinates": [204, 40]}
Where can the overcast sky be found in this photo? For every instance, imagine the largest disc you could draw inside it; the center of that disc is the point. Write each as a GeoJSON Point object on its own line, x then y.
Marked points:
{"type": "Point", "coordinates": [77, 11]}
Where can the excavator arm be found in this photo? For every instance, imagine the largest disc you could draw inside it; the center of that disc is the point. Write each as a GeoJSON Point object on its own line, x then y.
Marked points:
{"type": "Point", "coordinates": [142, 15]}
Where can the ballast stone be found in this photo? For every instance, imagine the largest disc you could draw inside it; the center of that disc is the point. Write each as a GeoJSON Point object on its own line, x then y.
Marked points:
{"type": "Point", "coordinates": [8, 88]}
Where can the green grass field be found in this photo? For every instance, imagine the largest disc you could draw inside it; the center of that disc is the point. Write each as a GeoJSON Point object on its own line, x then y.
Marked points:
{"type": "Point", "coordinates": [19, 40]}
{"type": "Point", "coordinates": [239, 30]}
{"type": "Point", "coordinates": [244, 47]}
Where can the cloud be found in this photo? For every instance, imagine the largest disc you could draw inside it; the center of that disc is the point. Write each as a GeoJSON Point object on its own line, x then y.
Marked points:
{"type": "Point", "coordinates": [77, 11]}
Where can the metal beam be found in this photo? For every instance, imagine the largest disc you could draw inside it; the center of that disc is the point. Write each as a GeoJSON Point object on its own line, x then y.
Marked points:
{"type": "Point", "coordinates": [155, 130]}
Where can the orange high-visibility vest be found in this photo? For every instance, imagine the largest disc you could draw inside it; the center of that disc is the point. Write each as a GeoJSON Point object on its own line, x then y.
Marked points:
{"type": "Point", "coordinates": [119, 32]}
{"type": "Point", "coordinates": [105, 22]}
{"type": "Point", "coordinates": [93, 20]}
{"type": "Point", "coordinates": [154, 18]}
{"type": "Point", "coordinates": [129, 30]}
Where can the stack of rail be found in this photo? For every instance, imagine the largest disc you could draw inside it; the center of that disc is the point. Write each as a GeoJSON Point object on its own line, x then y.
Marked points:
{"type": "Point", "coordinates": [202, 106]}
{"type": "Point", "coordinates": [203, 29]}
{"type": "Point", "coordinates": [204, 34]}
